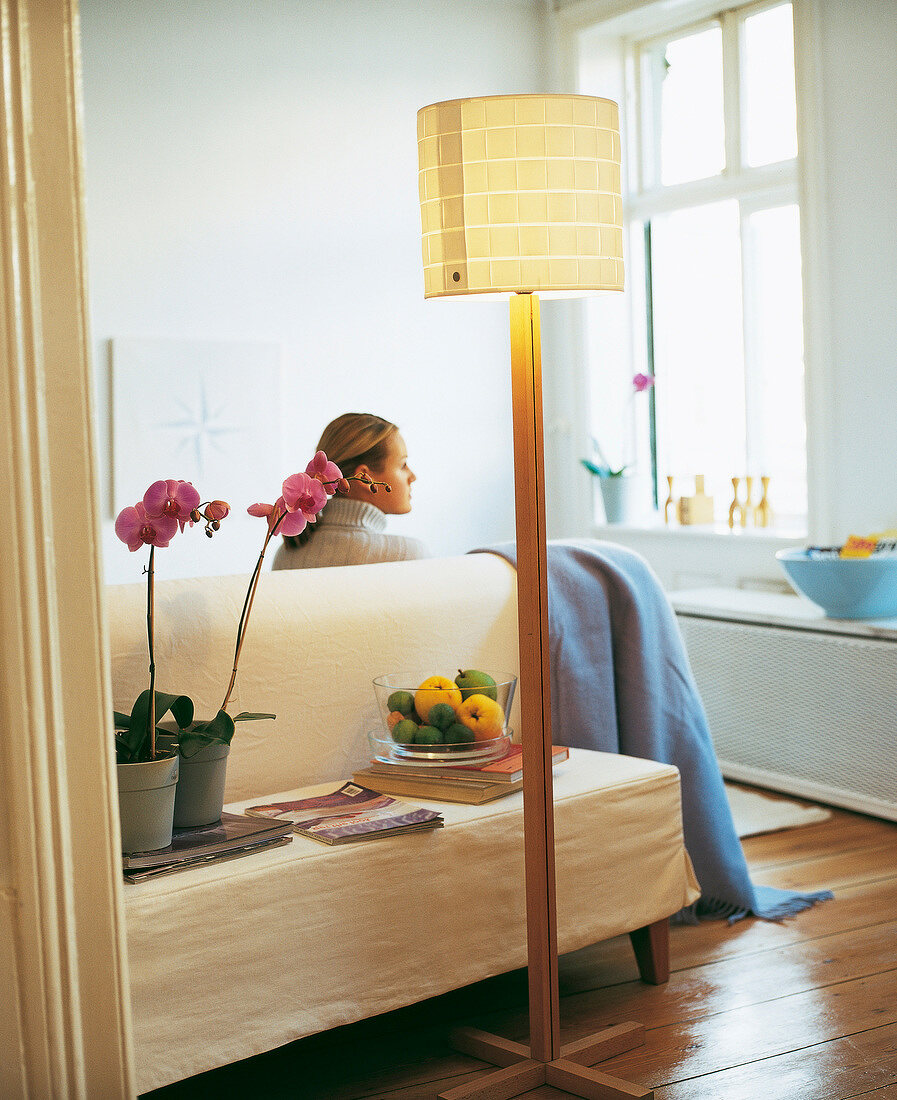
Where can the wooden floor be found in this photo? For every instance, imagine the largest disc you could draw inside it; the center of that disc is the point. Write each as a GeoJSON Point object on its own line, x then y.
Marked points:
{"type": "Point", "coordinates": [800, 1010]}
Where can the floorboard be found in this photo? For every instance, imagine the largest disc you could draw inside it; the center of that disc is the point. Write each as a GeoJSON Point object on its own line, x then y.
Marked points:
{"type": "Point", "coordinates": [804, 1009]}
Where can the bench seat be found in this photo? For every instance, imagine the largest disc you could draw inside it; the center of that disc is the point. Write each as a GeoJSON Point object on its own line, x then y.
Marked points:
{"type": "Point", "coordinates": [233, 959]}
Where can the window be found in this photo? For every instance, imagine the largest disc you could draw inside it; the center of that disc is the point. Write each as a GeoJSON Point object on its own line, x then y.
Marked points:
{"type": "Point", "coordinates": [714, 270]}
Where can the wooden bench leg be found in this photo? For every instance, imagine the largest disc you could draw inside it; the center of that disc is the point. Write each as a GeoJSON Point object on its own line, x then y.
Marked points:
{"type": "Point", "coordinates": [652, 951]}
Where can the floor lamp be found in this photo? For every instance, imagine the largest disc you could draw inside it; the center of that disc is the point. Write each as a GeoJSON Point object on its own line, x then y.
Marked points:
{"type": "Point", "coordinates": [520, 196]}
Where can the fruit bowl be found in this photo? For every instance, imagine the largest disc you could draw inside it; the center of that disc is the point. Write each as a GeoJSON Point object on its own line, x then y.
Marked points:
{"type": "Point", "coordinates": [845, 588]}
{"type": "Point", "coordinates": [431, 717]}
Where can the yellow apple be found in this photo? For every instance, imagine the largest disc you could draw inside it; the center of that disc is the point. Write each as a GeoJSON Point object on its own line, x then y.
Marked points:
{"type": "Point", "coordinates": [436, 689]}
{"type": "Point", "coordinates": [483, 716]}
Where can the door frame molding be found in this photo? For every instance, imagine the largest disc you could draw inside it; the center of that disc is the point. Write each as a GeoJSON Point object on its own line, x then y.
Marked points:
{"type": "Point", "coordinates": [65, 1029]}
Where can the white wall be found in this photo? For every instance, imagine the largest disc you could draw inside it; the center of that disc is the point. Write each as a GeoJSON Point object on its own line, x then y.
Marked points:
{"type": "Point", "coordinates": [857, 61]}
{"type": "Point", "coordinates": [252, 174]}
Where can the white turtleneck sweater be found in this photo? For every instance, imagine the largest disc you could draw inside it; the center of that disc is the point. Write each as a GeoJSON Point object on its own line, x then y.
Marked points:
{"type": "Point", "coordinates": [349, 532]}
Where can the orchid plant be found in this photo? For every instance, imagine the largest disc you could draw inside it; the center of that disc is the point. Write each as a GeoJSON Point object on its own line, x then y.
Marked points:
{"type": "Point", "coordinates": [602, 468]}
{"type": "Point", "coordinates": [168, 507]}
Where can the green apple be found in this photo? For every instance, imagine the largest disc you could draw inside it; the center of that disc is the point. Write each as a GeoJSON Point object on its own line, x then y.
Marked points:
{"type": "Point", "coordinates": [401, 701]}
{"type": "Point", "coordinates": [457, 734]}
{"type": "Point", "coordinates": [428, 735]}
{"type": "Point", "coordinates": [405, 732]}
{"type": "Point", "coordinates": [441, 715]}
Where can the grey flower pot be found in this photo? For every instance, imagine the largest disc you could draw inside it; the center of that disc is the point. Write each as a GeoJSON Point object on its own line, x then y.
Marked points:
{"type": "Point", "coordinates": [200, 789]}
{"type": "Point", "coordinates": [146, 802]}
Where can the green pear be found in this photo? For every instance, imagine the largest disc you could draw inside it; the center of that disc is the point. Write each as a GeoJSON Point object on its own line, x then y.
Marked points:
{"type": "Point", "coordinates": [473, 682]}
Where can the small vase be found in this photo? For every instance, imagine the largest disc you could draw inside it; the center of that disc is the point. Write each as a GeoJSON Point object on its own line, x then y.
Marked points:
{"type": "Point", "coordinates": [146, 802]}
{"type": "Point", "coordinates": [200, 788]}
{"type": "Point", "coordinates": [620, 496]}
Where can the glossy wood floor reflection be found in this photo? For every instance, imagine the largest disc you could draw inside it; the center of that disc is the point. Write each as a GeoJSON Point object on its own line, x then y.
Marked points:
{"type": "Point", "coordinates": [802, 1010]}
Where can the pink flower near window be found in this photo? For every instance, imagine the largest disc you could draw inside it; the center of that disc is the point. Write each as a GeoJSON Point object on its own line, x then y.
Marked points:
{"type": "Point", "coordinates": [135, 528]}
{"type": "Point", "coordinates": [176, 499]}
{"type": "Point", "coordinates": [642, 382]}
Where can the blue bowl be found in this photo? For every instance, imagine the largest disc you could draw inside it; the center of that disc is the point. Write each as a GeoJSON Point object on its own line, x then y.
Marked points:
{"type": "Point", "coordinates": [845, 588]}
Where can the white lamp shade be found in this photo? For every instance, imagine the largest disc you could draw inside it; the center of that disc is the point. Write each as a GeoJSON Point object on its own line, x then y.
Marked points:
{"type": "Point", "coordinates": [520, 193]}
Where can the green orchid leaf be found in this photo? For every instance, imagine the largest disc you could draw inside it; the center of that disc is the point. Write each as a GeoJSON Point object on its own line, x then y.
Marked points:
{"type": "Point", "coordinates": [601, 471]}
{"type": "Point", "coordinates": [133, 743]}
{"type": "Point", "coordinates": [251, 716]}
{"type": "Point", "coordinates": [181, 707]}
{"type": "Point", "coordinates": [216, 731]}
{"type": "Point", "coordinates": [122, 749]}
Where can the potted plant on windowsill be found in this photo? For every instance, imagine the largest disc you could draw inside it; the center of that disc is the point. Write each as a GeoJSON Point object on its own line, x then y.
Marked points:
{"type": "Point", "coordinates": [619, 487]}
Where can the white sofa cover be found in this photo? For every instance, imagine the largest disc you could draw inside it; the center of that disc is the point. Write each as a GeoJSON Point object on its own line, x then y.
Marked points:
{"type": "Point", "coordinates": [236, 958]}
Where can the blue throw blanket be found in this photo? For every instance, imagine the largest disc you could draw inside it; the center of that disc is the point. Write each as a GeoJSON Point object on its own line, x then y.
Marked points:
{"type": "Point", "coordinates": [613, 637]}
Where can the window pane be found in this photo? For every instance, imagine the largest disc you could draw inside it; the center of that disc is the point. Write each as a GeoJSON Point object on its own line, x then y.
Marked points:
{"type": "Point", "coordinates": [777, 446]}
{"type": "Point", "coordinates": [698, 348]}
{"type": "Point", "coordinates": [769, 123]}
{"type": "Point", "coordinates": [692, 142]}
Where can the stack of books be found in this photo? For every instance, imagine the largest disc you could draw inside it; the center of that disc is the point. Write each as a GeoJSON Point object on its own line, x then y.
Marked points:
{"type": "Point", "coordinates": [234, 835]}
{"type": "Point", "coordinates": [469, 782]}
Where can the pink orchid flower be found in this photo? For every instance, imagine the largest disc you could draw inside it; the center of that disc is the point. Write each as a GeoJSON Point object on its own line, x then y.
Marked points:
{"type": "Point", "coordinates": [135, 528]}
{"type": "Point", "coordinates": [305, 494]}
{"type": "Point", "coordinates": [325, 471]}
{"type": "Point", "coordinates": [263, 511]}
{"type": "Point", "coordinates": [176, 499]}
{"type": "Point", "coordinates": [643, 382]}
{"type": "Point", "coordinates": [218, 510]}
{"type": "Point", "coordinates": [292, 523]}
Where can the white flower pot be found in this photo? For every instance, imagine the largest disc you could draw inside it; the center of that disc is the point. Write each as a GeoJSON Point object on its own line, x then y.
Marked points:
{"type": "Point", "coordinates": [621, 497]}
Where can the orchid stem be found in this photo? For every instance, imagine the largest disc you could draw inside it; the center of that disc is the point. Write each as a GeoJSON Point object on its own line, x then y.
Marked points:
{"type": "Point", "coordinates": [254, 581]}
{"type": "Point", "coordinates": [244, 617]}
{"type": "Point", "coordinates": [151, 711]}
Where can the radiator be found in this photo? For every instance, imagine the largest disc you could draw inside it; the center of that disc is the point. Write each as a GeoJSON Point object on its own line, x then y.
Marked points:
{"type": "Point", "coordinates": [796, 702]}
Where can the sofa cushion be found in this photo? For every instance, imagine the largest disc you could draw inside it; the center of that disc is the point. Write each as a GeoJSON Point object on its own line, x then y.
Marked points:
{"type": "Point", "coordinates": [315, 641]}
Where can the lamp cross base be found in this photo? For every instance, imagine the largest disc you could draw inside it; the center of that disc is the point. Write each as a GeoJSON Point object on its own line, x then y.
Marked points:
{"type": "Point", "coordinates": [573, 1071]}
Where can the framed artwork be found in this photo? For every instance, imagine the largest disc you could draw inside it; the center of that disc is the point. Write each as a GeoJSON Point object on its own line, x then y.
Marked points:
{"type": "Point", "coordinates": [203, 411]}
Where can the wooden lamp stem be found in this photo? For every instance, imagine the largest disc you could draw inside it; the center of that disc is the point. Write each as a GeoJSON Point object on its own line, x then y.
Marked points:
{"type": "Point", "coordinates": [535, 697]}
{"type": "Point", "coordinates": [544, 1060]}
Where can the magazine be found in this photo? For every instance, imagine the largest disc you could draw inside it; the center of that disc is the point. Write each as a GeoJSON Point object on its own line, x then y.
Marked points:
{"type": "Point", "coordinates": [351, 812]}
{"type": "Point", "coordinates": [140, 875]}
{"type": "Point", "coordinates": [232, 832]}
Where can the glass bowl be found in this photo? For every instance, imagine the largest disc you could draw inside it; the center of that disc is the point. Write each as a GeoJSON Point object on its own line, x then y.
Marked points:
{"type": "Point", "coordinates": [427, 717]}
{"type": "Point", "coordinates": [387, 751]}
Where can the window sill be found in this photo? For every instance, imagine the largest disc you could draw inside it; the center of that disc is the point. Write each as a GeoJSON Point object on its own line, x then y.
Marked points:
{"type": "Point", "coordinates": [701, 556]}
{"type": "Point", "coordinates": [657, 529]}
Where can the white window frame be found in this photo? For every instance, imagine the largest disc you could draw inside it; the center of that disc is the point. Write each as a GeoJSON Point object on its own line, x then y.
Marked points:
{"type": "Point", "coordinates": [753, 188]}
{"type": "Point", "coordinates": [682, 556]}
